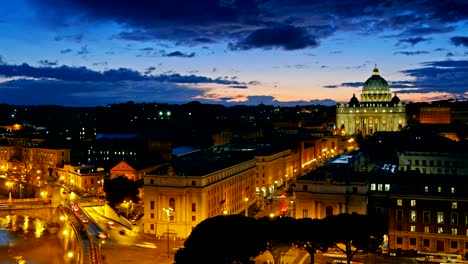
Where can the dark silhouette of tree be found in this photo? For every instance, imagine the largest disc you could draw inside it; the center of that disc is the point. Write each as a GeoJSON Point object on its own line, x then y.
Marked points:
{"type": "Point", "coordinates": [119, 189]}
{"type": "Point", "coordinates": [311, 235]}
{"type": "Point", "coordinates": [351, 230]}
{"type": "Point", "coordinates": [223, 240]}
{"type": "Point", "coordinates": [278, 235]}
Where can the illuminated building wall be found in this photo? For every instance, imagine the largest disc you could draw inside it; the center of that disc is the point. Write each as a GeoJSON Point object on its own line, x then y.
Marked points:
{"type": "Point", "coordinates": [196, 190]}
{"type": "Point", "coordinates": [435, 115]}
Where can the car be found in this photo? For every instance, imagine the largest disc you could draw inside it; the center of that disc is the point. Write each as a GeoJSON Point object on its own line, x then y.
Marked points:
{"type": "Point", "coordinates": [146, 245]}
{"type": "Point", "coordinates": [122, 231]}
{"type": "Point", "coordinates": [101, 235]}
{"type": "Point", "coordinates": [111, 225]}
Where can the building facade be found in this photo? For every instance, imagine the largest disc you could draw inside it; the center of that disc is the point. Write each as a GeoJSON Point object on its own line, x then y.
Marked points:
{"type": "Point", "coordinates": [425, 212]}
{"type": "Point", "coordinates": [192, 188]}
{"type": "Point", "coordinates": [376, 111]}
{"type": "Point", "coordinates": [330, 190]}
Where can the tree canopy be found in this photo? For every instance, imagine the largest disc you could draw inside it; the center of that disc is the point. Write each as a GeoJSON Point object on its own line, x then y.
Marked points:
{"type": "Point", "coordinates": [238, 239]}
{"type": "Point", "coordinates": [119, 189]}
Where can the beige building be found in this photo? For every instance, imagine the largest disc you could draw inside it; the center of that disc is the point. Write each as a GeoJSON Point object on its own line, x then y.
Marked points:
{"type": "Point", "coordinates": [377, 110]}
{"type": "Point", "coordinates": [274, 168]}
{"type": "Point", "coordinates": [82, 177]}
{"type": "Point", "coordinates": [332, 189]}
{"type": "Point", "coordinates": [32, 161]}
{"type": "Point", "coordinates": [196, 187]}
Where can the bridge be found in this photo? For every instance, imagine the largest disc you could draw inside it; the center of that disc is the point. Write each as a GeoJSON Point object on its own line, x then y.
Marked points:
{"type": "Point", "coordinates": [34, 207]}
{"type": "Point", "coordinates": [56, 218]}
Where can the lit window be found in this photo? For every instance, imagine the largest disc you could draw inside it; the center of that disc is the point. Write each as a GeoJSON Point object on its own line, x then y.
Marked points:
{"type": "Point", "coordinates": [379, 187]}
{"type": "Point", "coordinates": [426, 188]}
{"type": "Point", "coordinates": [413, 203]}
{"type": "Point", "coordinates": [413, 228]}
{"type": "Point", "coordinates": [412, 216]}
{"type": "Point", "coordinates": [453, 190]}
{"type": "Point", "coordinates": [426, 229]}
{"type": "Point", "coordinates": [454, 205]}
{"type": "Point", "coordinates": [440, 217]}
{"type": "Point", "coordinates": [439, 189]}
{"type": "Point", "coordinates": [454, 231]}
{"type": "Point", "coordinates": [387, 187]}
{"type": "Point", "coordinates": [399, 202]}
{"type": "Point", "coordinates": [440, 230]}
{"type": "Point", "coordinates": [372, 186]}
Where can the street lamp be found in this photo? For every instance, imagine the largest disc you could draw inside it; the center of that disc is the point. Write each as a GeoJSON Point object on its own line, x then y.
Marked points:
{"type": "Point", "coordinates": [292, 208]}
{"type": "Point", "coordinates": [246, 200]}
{"type": "Point", "coordinates": [168, 218]}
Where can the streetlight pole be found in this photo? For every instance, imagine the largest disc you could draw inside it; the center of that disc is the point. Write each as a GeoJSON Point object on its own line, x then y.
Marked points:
{"type": "Point", "coordinates": [168, 218]}
{"type": "Point", "coordinates": [246, 200]}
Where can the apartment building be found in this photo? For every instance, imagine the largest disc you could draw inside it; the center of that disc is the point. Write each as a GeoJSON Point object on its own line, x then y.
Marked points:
{"type": "Point", "coordinates": [424, 212]}
{"type": "Point", "coordinates": [192, 188]}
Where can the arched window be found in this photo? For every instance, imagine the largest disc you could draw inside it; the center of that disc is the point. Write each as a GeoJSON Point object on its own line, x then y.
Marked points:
{"type": "Point", "coordinates": [172, 203]}
{"type": "Point", "coordinates": [328, 211]}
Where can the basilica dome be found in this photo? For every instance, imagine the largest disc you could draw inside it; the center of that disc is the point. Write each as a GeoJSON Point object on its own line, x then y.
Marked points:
{"type": "Point", "coordinates": [376, 89]}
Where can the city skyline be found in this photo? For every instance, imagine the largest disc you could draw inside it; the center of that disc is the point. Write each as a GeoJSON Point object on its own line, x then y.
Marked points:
{"type": "Point", "coordinates": [86, 53]}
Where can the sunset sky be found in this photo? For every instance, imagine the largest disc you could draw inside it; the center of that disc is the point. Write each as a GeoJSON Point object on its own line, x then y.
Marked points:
{"type": "Point", "coordinates": [289, 52]}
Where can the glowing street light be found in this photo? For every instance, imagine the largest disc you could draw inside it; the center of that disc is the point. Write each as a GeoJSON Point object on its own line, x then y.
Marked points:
{"type": "Point", "coordinates": [168, 218]}
{"type": "Point", "coordinates": [246, 200]}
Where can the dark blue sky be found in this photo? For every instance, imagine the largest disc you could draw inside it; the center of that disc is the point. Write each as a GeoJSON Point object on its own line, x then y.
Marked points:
{"type": "Point", "coordinates": [88, 53]}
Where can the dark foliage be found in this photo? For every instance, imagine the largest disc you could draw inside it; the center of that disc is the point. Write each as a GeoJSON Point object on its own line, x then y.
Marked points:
{"type": "Point", "coordinates": [119, 189]}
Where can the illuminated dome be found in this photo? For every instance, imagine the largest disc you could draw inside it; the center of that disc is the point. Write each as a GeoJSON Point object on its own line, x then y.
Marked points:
{"type": "Point", "coordinates": [376, 89]}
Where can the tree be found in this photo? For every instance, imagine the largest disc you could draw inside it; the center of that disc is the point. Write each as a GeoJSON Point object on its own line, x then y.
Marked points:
{"type": "Point", "coordinates": [278, 235]}
{"type": "Point", "coordinates": [119, 189]}
{"type": "Point", "coordinates": [311, 235]}
{"type": "Point", "coordinates": [351, 230]}
{"type": "Point", "coordinates": [223, 240]}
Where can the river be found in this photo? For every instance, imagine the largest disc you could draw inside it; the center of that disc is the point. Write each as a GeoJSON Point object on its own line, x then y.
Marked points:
{"type": "Point", "coordinates": [24, 240]}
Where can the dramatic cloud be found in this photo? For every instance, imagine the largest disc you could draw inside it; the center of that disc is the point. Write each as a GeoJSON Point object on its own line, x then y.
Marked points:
{"type": "Point", "coordinates": [69, 93]}
{"type": "Point", "coordinates": [83, 74]}
{"type": "Point", "coordinates": [441, 76]}
{"type": "Point", "coordinates": [250, 24]}
{"type": "Point", "coordinates": [459, 41]}
{"type": "Point", "coordinates": [285, 37]}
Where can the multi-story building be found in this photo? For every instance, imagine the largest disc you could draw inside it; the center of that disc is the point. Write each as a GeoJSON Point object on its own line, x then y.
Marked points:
{"type": "Point", "coordinates": [131, 170]}
{"type": "Point", "coordinates": [332, 189]}
{"type": "Point", "coordinates": [424, 212]}
{"type": "Point", "coordinates": [32, 161]}
{"type": "Point", "coordinates": [192, 188]}
{"type": "Point", "coordinates": [377, 110]}
{"type": "Point", "coordinates": [83, 177]}
{"type": "Point", "coordinates": [274, 168]}
{"type": "Point", "coordinates": [431, 161]}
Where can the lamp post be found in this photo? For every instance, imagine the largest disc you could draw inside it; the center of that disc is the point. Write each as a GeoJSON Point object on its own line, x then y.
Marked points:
{"type": "Point", "coordinates": [246, 200]}
{"type": "Point", "coordinates": [168, 218]}
{"type": "Point", "coordinates": [292, 208]}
